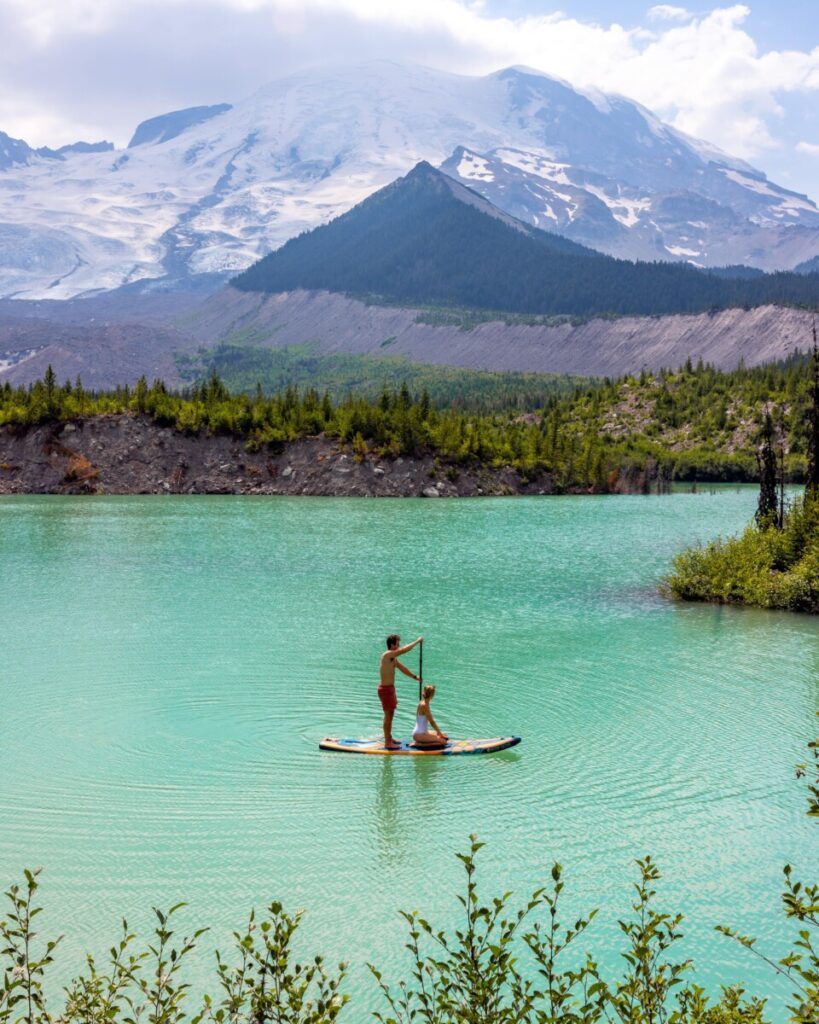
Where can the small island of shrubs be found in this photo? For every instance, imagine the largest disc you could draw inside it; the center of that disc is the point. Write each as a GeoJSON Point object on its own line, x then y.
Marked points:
{"type": "Point", "coordinates": [766, 567]}
{"type": "Point", "coordinates": [775, 563]}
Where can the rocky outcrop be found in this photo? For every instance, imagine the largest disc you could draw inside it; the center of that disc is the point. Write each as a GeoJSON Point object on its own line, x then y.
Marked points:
{"type": "Point", "coordinates": [123, 454]}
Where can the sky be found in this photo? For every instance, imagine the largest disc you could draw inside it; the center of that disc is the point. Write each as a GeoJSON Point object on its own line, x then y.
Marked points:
{"type": "Point", "coordinates": [742, 76]}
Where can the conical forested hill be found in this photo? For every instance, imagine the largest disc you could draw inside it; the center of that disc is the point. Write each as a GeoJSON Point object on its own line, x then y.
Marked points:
{"type": "Point", "coordinates": [428, 240]}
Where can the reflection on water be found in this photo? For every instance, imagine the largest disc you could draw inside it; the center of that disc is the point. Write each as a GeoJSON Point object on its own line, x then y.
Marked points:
{"type": "Point", "coordinates": [407, 804]}
{"type": "Point", "coordinates": [387, 818]}
{"type": "Point", "coordinates": [426, 770]}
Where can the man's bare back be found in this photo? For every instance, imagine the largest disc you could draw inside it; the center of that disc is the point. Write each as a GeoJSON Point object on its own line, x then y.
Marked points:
{"type": "Point", "coordinates": [388, 660]}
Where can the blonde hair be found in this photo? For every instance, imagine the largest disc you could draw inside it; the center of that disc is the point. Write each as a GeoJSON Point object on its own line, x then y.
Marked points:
{"type": "Point", "coordinates": [428, 691]}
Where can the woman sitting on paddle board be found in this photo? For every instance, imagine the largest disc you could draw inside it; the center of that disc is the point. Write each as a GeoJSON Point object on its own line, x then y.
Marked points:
{"type": "Point", "coordinates": [427, 731]}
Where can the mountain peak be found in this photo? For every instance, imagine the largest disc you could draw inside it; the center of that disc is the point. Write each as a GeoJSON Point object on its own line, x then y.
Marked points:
{"type": "Point", "coordinates": [524, 71]}
{"type": "Point", "coordinates": [422, 238]}
{"type": "Point", "coordinates": [425, 177]}
{"type": "Point", "coordinates": [18, 153]}
{"type": "Point", "coordinates": [424, 169]}
{"type": "Point", "coordinates": [426, 240]}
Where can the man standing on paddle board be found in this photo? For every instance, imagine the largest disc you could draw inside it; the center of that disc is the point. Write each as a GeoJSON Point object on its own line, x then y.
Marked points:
{"type": "Point", "coordinates": [386, 688]}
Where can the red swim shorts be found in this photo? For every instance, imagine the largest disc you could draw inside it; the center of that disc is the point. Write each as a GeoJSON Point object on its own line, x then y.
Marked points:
{"type": "Point", "coordinates": [388, 698]}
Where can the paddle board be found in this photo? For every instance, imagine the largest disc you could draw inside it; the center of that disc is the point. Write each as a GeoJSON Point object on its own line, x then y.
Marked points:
{"type": "Point", "coordinates": [451, 747]}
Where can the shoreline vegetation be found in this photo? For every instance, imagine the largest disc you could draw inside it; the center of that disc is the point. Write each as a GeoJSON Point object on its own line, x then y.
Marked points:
{"type": "Point", "coordinates": [506, 963]}
{"type": "Point", "coordinates": [775, 563]}
{"type": "Point", "coordinates": [461, 434]}
{"type": "Point", "coordinates": [765, 567]}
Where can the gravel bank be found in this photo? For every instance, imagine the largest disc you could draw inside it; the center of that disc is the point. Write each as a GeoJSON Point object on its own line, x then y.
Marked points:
{"type": "Point", "coordinates": [133, 455]}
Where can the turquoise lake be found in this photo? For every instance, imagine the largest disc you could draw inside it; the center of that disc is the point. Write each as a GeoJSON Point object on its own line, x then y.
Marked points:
{"type": "Point", "coordinates": [170, 664]}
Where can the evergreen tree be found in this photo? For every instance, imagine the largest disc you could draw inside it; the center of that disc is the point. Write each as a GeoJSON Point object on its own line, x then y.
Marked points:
{"type": "Point", "coordinates": [812, 484]}
{"type": "Point", "coordinates": [768, 505]}
{"type": "Point", "coordinates": [141, 394]}
{"type": "Point", "coordinates": [50, 383]}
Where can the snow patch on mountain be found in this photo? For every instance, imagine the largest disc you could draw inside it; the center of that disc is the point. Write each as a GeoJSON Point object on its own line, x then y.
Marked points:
{"type": "Point", "coordinates": [715, 215]}
{"type": "Point", "coordinates": [475, 168]}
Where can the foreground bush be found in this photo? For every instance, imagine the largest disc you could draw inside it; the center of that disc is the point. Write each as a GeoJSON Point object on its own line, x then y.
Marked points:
{"type": "Point", "coordinates": [503, 965]}
{"type": "Point", "coordinates": [765, 567]}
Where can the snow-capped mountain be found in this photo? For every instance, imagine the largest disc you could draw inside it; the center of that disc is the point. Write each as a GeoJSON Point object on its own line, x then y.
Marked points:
{"type": "Point", "coordinates": [210, 190]}
{"type": "Point", "coordinates": [725, 215]}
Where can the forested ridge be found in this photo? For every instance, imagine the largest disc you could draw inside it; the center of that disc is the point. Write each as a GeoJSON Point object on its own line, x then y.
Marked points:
{"type": "Point", "coordinates": [416, 242]}
{"type": "Point", "coordinates": [242, 367]}
{"type": "Point", "coordinates": [700, 423]}
{"type": "Point", "coordinates": [695, 423]}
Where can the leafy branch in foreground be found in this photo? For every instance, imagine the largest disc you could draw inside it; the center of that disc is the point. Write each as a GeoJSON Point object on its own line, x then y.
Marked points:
{"type": "Point", "coordinates": [574, 994]}
{"type": "Point", "coordinates": [472, 975]}
{"type": "Point", "coordinates": [475, 976]}
{"type": "Point", "coordinates": [263, 985]}
{"type": "Point", "coordinates": [98, 996]}
{"type": "Point", "coordinates": [128, 991]}
{"type": "Point", "coordinates": [24, 967]}
{"type": "Point", "coordinates": [644, 993]}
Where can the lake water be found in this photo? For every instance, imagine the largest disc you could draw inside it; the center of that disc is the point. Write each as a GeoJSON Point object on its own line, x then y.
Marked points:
{"type": "Point", "coordinates": [169, 666]}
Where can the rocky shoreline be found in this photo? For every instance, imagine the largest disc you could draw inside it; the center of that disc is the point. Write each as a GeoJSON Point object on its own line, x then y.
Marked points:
{"type": "Point", "coordinates": [123, 454]}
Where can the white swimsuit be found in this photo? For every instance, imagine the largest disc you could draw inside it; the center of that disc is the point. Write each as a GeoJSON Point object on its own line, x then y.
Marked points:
{"type": "Point", "coordinates": [421, 725]}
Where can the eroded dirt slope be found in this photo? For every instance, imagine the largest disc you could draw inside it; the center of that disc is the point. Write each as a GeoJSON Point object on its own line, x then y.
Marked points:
{"type": "Point", "coordinates": [124, 454]}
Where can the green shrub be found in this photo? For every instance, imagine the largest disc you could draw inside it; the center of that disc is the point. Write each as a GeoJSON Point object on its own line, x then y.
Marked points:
{"type": "Point", "coordinates": [765, 567]}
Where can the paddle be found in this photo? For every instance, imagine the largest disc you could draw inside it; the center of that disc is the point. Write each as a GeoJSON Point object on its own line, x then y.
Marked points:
{"type": "Point", "coordinates": [420, 669]}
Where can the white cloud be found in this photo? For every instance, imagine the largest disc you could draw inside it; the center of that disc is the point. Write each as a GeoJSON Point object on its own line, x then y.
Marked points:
{"type": "Point", "coordinates": [810, 148]}
{"type": "Point", "coordinates": [95, 67]}
{"type": "Point", "coordinates": [665, 12]}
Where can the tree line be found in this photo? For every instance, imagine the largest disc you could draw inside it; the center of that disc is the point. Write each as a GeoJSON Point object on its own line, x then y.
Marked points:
{"type": "Point", "coordinates": [243, 366]}
{"type": "Point", "coordinates": [695, 423]}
